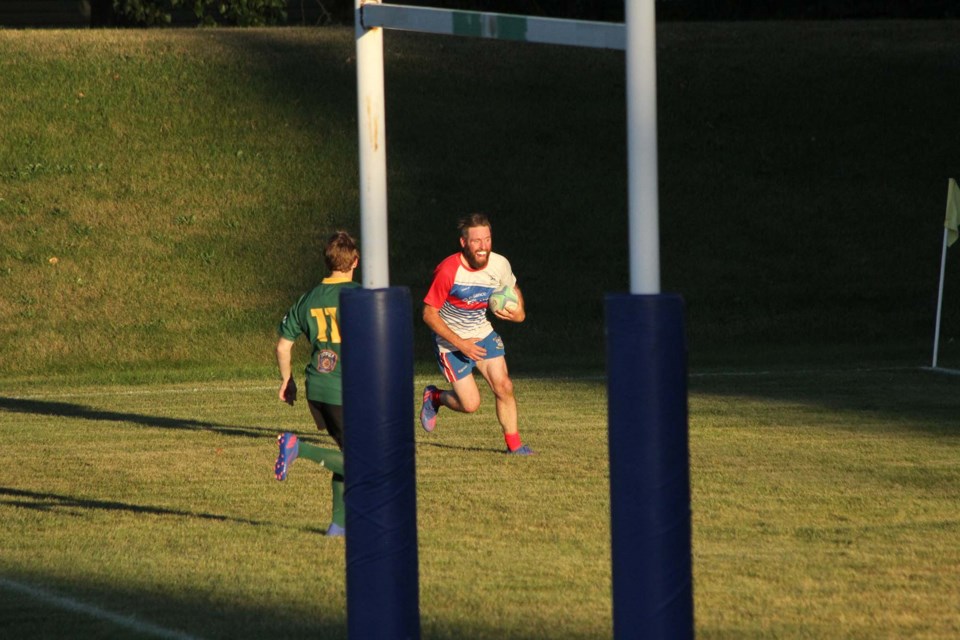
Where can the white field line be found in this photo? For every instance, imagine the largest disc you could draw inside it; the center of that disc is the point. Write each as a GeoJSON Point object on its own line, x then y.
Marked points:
{"type": "Point", "coordinates": [68, 604]}
{"type": "Point", "coordinates": [798, 372]}
{"type": "Point", "coordinates": [421, 380]}
{"type": "Point", "coordinates": [941, 370]}
{"type": "Point", "coordinates": [148, 391]}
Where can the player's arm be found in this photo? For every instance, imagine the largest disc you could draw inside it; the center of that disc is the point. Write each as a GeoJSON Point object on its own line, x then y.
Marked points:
{"type": "Point", "coordinates": [288, 388]}
{"type": "Point", "coordinates": [469, 347]}
{"type": "Point", "coordinates": [518, 314]}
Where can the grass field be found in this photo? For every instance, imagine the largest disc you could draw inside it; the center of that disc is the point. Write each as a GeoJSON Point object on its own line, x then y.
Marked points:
{"type": "Point", "coordinates": [824, 505]}
{"type": "Point", "coordinates": [161, 197]}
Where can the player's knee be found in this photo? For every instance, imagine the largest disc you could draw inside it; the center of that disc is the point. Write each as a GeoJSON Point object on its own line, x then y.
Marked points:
{"type": "Point", "coordinates": [470, 405]}
{"type": "Point", "coordinates": [503, 388]}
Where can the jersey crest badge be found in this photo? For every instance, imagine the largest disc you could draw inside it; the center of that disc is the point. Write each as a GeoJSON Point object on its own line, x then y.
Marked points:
{"type": "Point", "coordinates": [326, 361]}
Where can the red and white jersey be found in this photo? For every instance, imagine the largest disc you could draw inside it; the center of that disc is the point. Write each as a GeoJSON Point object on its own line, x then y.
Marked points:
{"type": "Point", "coordinates": [461, 295]}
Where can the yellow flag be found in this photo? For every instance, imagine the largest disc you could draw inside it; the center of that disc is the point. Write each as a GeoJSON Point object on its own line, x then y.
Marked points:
{"type": "Point", "coordinates": [953, 212]}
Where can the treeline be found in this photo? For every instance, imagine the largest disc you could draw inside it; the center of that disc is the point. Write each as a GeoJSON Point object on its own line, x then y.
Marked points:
{"type": "Point", "coordinates": [613, 10]}
{"type": "Point", "coordinates": [805, 9]}
{"type": "Point", "coordinates": [270, 12]}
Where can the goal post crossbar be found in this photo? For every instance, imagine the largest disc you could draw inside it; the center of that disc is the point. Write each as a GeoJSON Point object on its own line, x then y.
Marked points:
{"type": "Point", "coordinates": [496, 26]}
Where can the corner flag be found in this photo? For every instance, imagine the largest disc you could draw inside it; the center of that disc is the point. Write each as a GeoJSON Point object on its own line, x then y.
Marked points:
{"type": "Point", "coordinates": [950, 235]}
{"type": "Point", "coordinates": [953, 212]}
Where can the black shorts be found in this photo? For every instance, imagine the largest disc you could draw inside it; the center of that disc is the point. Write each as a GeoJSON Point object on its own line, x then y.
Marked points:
{"type": "Point", "coordinates": [331, 417]}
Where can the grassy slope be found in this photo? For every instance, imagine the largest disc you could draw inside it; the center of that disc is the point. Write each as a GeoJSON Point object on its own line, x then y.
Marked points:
{"type": "Point", "coordinates": [815, 176]}
{"type": "Point", "coordinates": [183, 178]}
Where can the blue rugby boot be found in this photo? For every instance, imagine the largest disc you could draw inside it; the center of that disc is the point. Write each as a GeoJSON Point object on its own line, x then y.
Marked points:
{"type": "Point", "coordinates": [289, 449]}
{"type": "Point", "coordinates": [522, 450]}
{"type": "Point", "coordinates": [428, 412]}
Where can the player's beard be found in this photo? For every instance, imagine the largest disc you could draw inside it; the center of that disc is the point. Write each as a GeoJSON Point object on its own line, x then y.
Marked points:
{"type": "Point", "coordinates": [475, 261]}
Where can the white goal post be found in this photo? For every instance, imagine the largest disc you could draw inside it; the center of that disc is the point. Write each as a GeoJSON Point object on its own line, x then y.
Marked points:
{"type": "Point", "coordinates": [646, 356]}
{"type": "Point", "coordinates": [637, 37]}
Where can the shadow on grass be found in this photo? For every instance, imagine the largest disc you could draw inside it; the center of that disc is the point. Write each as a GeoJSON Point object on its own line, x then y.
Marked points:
{"type": "Point", "coordinates": [41, 605]}
{"type": "Point", "coordinates": [909, 398]}
{"type": "Point", "coordinates": [70, 410]}
{"type": "Point", "coordinates": [48, 502]}
{"type": "Point", "coordinates": [91, 608]}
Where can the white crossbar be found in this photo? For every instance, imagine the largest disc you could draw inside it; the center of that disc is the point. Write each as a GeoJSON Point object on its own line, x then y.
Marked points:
{"type": "Point", "coordinates": [497, 26]}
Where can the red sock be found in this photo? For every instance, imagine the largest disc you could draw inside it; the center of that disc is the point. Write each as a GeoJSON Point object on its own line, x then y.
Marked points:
{"type": "Point", "coordinates": [435, 398]}
{"type": "Point", "coordinates": [513, 441]}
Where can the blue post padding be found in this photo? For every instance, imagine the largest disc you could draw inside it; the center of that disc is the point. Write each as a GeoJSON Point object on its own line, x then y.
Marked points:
{"type": "Point", "coordinates": [649, 467]}
{"type": "Point", "coordinates": [379, 470]}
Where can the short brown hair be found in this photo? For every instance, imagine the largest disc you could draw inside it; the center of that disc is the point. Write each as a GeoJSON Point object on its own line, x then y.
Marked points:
{"type": "Point", "coordinates": [340, 252]}
{"type": "Point", "coordinates": [472, 220]}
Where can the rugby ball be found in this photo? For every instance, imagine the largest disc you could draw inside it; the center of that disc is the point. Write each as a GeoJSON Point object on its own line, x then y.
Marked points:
{"type": "Point", "coordinates": [503, 298]}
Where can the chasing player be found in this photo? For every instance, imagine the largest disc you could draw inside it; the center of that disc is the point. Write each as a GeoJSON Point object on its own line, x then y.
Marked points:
{"type": "Point", "coordinates": [455, 309]}
{"type": "Point", "coordinates": [315, 315]}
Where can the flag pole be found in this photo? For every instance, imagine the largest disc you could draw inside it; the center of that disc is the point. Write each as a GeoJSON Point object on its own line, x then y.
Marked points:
{"type": "Point", "coordinates": [950, 233]}
{"type": "Point", "coordinates": [936, 332]}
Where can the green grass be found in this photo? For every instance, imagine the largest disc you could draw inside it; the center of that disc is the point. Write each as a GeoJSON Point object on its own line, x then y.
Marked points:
{"type": "Point", "coordinates": [151, 169]}
{"type": "Point", "coordinates": [823, 506]}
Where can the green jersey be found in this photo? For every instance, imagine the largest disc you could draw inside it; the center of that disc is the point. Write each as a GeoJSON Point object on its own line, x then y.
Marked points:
{"type": "Point", "coordinates": [315, 315]}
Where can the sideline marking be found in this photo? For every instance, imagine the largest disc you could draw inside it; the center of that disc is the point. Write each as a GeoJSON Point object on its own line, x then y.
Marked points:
{"type": "Point", "coordinates": [146, 391]}
{"type": "Point", "coordinates": [420, 380]}
{"type": "Point", "coordinates": [130, 622]}
{"type": "Point", "coordinates": [942, 370]}
{"type": "Point", "coordinates": [797, 372]}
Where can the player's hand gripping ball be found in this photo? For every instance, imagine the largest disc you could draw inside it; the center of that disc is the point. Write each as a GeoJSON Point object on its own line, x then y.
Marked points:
{"type": "Point", "coordinates": [504, 298]}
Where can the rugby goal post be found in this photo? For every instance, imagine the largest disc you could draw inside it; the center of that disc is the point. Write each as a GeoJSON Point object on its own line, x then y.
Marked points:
{"type": "Point", "coordinates": [646, 357]}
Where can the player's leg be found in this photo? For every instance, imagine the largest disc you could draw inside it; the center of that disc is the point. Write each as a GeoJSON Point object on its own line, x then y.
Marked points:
{"type": "Point", "coordinates": [464, 397]}
{"type": "Point", "coordinates": [291, 448]}
{"type": "Point", "coordinates": [338, 517]}
{"type": "Point", "coordinates": [495, 372]}
{"type": "Point", "coordinates": [329, 417]}
{"type": "Point", "coordinates": [332, 459]}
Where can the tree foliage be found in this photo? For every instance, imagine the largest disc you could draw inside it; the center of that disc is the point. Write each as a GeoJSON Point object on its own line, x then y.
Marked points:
{"type": "Point", "coordinates": [244, 13]}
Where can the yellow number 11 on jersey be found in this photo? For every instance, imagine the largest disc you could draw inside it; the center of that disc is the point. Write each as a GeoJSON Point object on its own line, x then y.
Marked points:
{"type": "Point", "coordinates": [327, 331]}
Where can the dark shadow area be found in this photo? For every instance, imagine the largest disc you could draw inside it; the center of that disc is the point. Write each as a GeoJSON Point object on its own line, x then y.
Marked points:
{"type": "Point", "coordinates": [70, 410]}
{"type": "Point", "coordinates": [68, 505]}
{"type": "Point", "coordinates": [912, 399]}
{"type": "Point", "coordinates": [190, 613]}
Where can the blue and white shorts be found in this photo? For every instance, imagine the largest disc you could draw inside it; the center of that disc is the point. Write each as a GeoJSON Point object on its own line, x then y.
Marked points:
{"type": "Point", "coordinates": [456, 366]}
